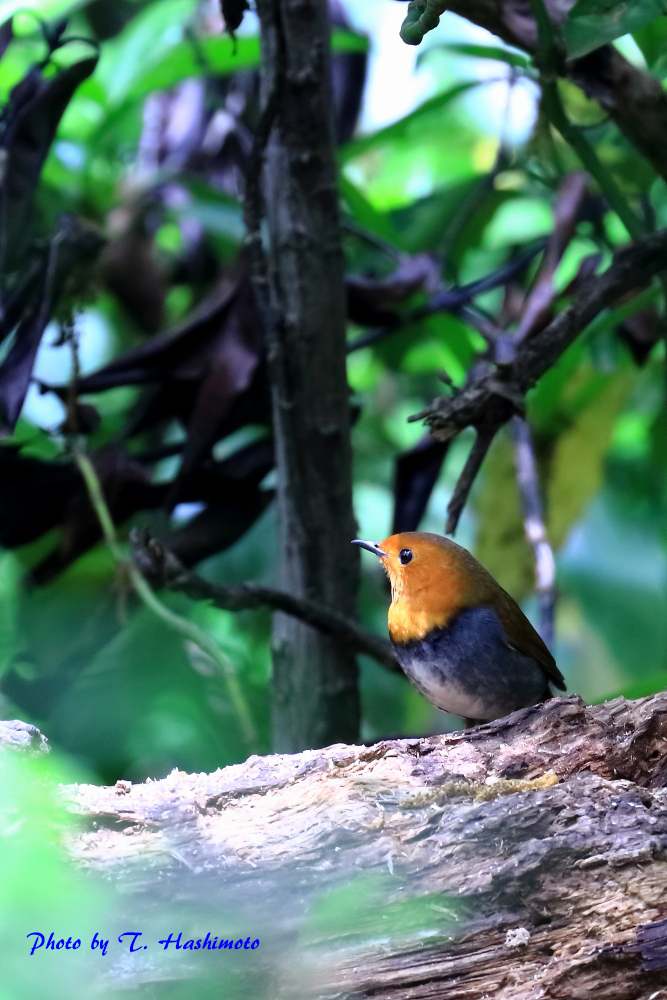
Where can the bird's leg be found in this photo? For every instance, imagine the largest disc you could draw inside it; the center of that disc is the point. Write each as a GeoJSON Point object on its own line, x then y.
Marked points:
{"type": "Point", "coordinates": [471, 723]}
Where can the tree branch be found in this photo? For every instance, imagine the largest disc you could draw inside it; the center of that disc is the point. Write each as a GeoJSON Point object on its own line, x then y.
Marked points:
{"type": "Point", "coordinates": [454, 300]}
{"type": "Point", "coordinates": [631, 97]}
{"type": "Point", "coordinates": [473, 464]}
{"type": "Point", "coordinates": [163, 568]}
{"type": "Point", "coordinates": [492, 397]}
{"type": "Point", "coordinates": [534, 527]}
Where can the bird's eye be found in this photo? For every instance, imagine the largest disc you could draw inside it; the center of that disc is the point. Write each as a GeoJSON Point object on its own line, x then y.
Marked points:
{"type": "Point", "coordinates": [405, 556]}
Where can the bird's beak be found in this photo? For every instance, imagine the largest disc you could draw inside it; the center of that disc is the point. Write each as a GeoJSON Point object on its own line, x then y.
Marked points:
{"type": "Point", "coordinates": [371, 546]}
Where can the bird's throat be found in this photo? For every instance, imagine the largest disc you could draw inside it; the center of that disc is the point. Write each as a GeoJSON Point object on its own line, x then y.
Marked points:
{"type": "Point", "coordinates": [408, 622]}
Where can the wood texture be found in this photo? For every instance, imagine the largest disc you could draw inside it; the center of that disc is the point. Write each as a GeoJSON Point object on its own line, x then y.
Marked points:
{"type": "Point", "coordinates": [523, 859]}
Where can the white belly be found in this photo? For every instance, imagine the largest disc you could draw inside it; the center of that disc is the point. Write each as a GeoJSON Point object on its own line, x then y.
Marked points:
{"type": "Point", "coordinates": [447, 694]}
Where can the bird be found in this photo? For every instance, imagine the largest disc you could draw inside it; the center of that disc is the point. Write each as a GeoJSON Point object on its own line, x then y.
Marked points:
{"type": "Point", "coordinates": [458, 636]}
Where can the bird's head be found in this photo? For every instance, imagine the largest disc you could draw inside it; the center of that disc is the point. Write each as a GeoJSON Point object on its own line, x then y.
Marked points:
{"type": "Point", "coordinates": [432, 578]}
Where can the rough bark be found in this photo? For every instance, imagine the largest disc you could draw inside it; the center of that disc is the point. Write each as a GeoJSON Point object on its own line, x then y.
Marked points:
{"type": "Point", "coordinates": [315, 696]}
{"type": "Point", "coordinates": [525, 858]}
{"type": "Point", "coordinates": [17, 735]}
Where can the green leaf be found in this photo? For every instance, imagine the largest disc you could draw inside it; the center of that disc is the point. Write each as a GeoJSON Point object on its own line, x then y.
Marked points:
{"type": "Point", "coordinates": [593, 23]}
{"type": "Point", "coordinates": [577, 463]}
{"type": "Point", "coordinates": [142, 46]}
{"type": "Point", "coordinates": [450, 220]}
{"type": "Point", "coordinates": [397, 130]}
{"type": "Point", "coordinates": [143, 704]}
{"type": "Point", "coordinates": [217, 213]}
{"type": "Point", "coordinates": [217, 55]}
{"type": "Point", "coordinates": [479, 52]}
{"type": "Point", "coordinates": [156, 51]}
{"type": "Point", "coordinates": [500, 544]}
{"type": "Point", "coordinates": [614, 317]}
{"type": "Point", "coordinates": [651, 40]}
{"type": "Point", "coordinates": [10, 642]}
{"type": "Point", "coordinates": [347, 41]}
{"type": "Point", "coordinates": [365, 214]}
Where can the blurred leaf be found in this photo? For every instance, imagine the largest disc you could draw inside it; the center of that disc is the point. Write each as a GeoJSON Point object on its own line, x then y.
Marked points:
{"type": "Point", "coordinates": [577, 463]}
{"type": "Point", "coordinates": [614, 565]}
{"type": "Point", "coordinates": [31, 120]}
{"type": "Point", "coordinates": [10, 638]}
{"type": "Point", "coordinates": [500, 542]}
{"type": "Point", "coordinates": [612, 318]}
{"type": "Point", "coordinates": [642, 688]}
{"type": "Point", "coordinates": [215, 211]}
{"type": "Point", "coordinates": [366, 910]}
{"type": "Point", "coordinates": [38, 887]}
{"type": "Point", "coordinates": [343, 41]}
{"type": "Point", "coordinates": [212, 55]}
{"type": "Point", "coordinates": [366, 214]}
{"type": "Point", "coordinates": [153, 54]}
{"type": "Point", "coordinates": [142, 45]}
{"type": "Point", "coordinates": [478, 52]}
{"type": "Point", "coordinates": [651, 40]}
{"type": "Point", "coordinates": [140, 707]}
{"type": "Point", "coordinates": [593, 23]}
{"type": "Point", "coordinates": [452, 219]}
{"type": "Point", "coordinates": [398, 130]}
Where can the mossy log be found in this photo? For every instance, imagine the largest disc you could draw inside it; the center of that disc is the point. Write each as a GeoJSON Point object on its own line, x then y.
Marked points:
{"type": "Point", "coordinates": [525, 858]}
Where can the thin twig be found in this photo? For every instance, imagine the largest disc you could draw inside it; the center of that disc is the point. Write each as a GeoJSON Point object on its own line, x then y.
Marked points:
{"type": "Point", "coordinates": [161, 564]}
{"type": "Point", "coordinates": [534, 527]}
{"type": "Point", "coordinates": [188, 629]}
{"type": "Point", "coordinates": [354, 228]}
{"type": "Point", "coordinates": [467, 478]}
{"type": "Point", "coordinates": [497, 395]}
{"type": "Point", "coordinates": [453, 300]}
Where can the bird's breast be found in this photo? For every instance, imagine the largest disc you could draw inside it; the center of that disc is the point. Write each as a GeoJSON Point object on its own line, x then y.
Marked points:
{"type": "Point", "coordinates": [468, 668]}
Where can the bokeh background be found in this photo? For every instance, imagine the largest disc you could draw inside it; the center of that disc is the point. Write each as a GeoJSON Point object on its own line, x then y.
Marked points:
{"type": "Point", "coordinates": [105, 680]}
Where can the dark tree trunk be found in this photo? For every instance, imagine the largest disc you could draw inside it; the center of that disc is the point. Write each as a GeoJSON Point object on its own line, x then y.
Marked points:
{"type": "Point", "coordinates": [315, 689]}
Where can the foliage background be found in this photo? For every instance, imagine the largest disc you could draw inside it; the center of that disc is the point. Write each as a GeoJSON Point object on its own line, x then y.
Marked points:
{"type": "Point", "coordinates": [120, 696]}
{"type": "Point", "coordinates": [102, 677]}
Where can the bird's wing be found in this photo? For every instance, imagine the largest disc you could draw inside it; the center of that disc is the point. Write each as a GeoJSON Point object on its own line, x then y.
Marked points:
{"type": "Point", "coordinates": [522, 636]}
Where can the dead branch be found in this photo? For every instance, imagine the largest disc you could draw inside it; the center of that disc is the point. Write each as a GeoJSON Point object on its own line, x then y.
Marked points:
{"type": "Point", "coordinates": [494, 395]}
{"type": "Point", "coordinates": [163, 569]}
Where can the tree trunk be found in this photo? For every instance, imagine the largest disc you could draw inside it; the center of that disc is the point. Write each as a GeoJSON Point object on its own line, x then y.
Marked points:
{"type": "Point", "coordinates": [525, 858]}
{"type": "Point", "coordinates": [315, 684]}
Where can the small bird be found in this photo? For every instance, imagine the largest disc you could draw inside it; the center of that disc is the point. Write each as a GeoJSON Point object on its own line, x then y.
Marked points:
{"type": "Point", "coordinates": [460, 638]}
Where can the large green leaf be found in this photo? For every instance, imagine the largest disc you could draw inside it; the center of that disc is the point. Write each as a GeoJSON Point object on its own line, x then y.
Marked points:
{"type": "Point", "coordinates": [577, 463]}
{"type": "Point", "coordinates": [397, 130]}
{"type": "Point", "coordinates": [500, 544]}
{"type": "Point", "coordinates": [593, 23]}
{"type": "Point", "coordinates": [651, 40]}
{"type": "Point", "coordinates": [493, 52]}
{"type": "Point", "coordinates": [145, 703]}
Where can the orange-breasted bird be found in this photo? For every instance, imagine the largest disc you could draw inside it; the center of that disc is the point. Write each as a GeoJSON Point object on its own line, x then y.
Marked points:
{"type": "Point", "coordinates": [460, 638]}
